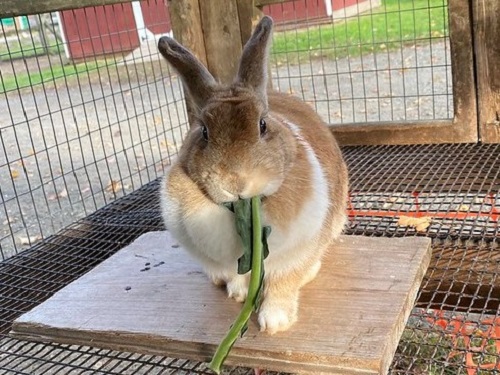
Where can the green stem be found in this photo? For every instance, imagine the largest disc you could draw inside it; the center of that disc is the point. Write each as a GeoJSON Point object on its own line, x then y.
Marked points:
{"type": "Point", "coordinates": [253, 289]}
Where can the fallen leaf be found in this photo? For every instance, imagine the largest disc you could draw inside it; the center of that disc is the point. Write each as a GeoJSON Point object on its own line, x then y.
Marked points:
{"type": "Point", "coordinates": [14, 173]}
{"type": "Point", "coordinates": [419, 223]}
{"type": "Point", "coordinates": [114, 186]}
{"type": "Point", "coordinates": [30, 240]}
{"type": "Point", "coordinates": [464, 208]}
{"type": "Point", "coordinates": [62, 194]}
{"type": "Point", "coordinates": [166, 144]}
{"type": "Point", "coordinates": [8, 221]}
{"type": "Point", "coordinates": [160, 167]}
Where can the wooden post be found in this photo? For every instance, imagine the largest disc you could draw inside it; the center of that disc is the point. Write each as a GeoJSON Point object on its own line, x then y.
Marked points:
{"type": "Point", "coordinates": [215, 31]}
{"type": "Point", "coordinates": [246, 15]}
{"type": "Point", "coordinates": [186, 26]}
{"type": "Point", "coordinates": [486, 14]}
{"type": "Point", "coordinates": [221, 32]}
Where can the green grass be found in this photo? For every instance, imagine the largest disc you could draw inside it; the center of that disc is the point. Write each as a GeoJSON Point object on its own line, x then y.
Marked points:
{"type": "Point", "coordinates": [394, 23]}
{"type": "Point", "coordinates": [27, 47]}
{"type": "Point", "coordinates": [52, 74]}
{"type": "Point", "coordinates": [387, 27]}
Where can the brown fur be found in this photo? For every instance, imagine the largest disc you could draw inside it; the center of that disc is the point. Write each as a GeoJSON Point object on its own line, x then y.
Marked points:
{"type": "Point", "coordinates": [238, 161]}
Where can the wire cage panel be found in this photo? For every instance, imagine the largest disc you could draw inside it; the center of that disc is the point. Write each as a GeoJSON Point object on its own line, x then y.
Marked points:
{"type": "Point", "coordinates": [459, 294]}
{"type": "Point", "coordinates": [370, 61]}
{"type": "Point", "coordinates": [77, 134]}
{"type": "Point", "coordinates": [92, 117]}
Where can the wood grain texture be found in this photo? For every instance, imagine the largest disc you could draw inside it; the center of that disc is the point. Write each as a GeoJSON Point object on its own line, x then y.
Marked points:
{"type": "Point", "coordinates": [221, 31]}
{"type": "Point", "coordinates": [246, 13]}
{"type": "Point", "coordinates": [397, 133]}
{"type": "Point", "coordinates": [14, 8]}
{"type": "Point", "coordinates": [487, 48]}
{"type": "Point", "coordinates": [262, 3]}
{"type": "Point", "coordinates": [150, 297]}
{"type": "Point", "coordinates": [462, 70]}
{"type": "Point", "coordinates": [185, 19]}
{"type": "Point", "coordinates": [186, 26]}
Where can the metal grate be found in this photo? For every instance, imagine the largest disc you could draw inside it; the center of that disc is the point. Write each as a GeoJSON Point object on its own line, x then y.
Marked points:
{"type": "Point", "coordinates": [459, 190]}
{"type": "Point", "coordinates": [458, 304]}
{"type": "Point", "coordinates": [92, 117]}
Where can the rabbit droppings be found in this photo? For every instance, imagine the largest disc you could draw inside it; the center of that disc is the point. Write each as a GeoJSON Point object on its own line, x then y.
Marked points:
{"type": "Point", "coordinates": [247, 141]}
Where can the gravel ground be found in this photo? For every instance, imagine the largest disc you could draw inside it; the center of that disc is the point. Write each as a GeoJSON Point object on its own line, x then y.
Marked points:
{"type": "Point", "coordinates": [69, 150]}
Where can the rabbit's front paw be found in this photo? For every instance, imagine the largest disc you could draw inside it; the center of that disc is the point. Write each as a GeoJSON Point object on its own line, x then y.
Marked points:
{"type": "Point", "coordinates": [277, 315]}
{"type": "Point", "coordinates": [237, 288]}
{"type": "Point", "coordinates": [217, 280]}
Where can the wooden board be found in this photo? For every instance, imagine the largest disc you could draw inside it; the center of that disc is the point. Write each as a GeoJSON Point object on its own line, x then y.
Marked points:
{"type": "Point", "coordinates": [151, 297]}
{"type": "Point", "coordinates": [14, 8]}
{"type": "Point", "coordinates": [487, 51]}
{"type": "Point", "coordinates": [221, 32]}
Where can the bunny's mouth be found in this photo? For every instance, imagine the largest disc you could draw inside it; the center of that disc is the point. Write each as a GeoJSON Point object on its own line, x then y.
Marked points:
{"type": "Point", "coordinates": [229, 196]}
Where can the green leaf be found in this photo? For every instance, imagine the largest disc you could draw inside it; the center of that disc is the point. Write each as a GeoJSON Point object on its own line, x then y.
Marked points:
{"type": "Point", "coordinates": [249, 226]}
{"type": "Point", "coordinates": [244, 330]}
{"type": "Point", "coordinates": [229, 206]}
{"type": "Point", "coordinates": [243, 219]}
{"type": "Point", "coordinates": [260, 291]}
{"type": "Point", "coordinates": [266, 232]}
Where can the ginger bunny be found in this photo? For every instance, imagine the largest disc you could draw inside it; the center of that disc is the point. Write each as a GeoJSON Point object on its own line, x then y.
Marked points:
{"type": "Point", "coordinates": [246, 141]}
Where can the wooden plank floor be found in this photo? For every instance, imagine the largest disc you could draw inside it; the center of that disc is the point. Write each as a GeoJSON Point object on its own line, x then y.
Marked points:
{"type": "Point", "coordinates": [150, 297]}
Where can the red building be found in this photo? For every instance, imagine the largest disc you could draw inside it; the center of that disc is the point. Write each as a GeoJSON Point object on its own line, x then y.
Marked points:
{"type": "Point", "coordinates": [119, 28]}
{"type": "Point", "coordinates": [110, 29]}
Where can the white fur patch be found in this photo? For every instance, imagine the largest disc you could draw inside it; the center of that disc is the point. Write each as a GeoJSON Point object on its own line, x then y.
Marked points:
{"type": "Point", "coordinates": [289, 248]}
{"type": "Point", "coordinates": [209, 234]}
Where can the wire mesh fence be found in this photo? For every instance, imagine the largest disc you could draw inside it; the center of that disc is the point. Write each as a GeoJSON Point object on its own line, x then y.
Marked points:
{"type": "Point", "coordinates": [454, 328]}
{"type": "Point", "coordinates": [76, 134]}
{"type": "Point", "coordinates": [91, 112]}
{"type": "Point", "coordinates": [377, 61]}
{"type": "Point", "coordinates": [91, 118]}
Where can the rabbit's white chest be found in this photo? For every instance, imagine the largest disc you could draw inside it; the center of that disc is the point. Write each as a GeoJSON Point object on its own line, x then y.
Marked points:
{"type": "Point", "coordinates": [214, 233]}
{"type": "Point", "coordinates": [209, 232]}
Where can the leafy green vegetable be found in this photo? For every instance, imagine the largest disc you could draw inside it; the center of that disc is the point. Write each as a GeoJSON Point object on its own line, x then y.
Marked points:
{"type": "Point", "coordinates": [243, 217]}
{"type": "Point", "coordinates": [255, 250]}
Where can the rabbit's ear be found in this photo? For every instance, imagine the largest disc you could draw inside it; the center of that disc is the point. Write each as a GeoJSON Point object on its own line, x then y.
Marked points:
{"type": "Point", "coordinates": [196, 78]}
{"type": "Point", "coordinates": [253, 65]}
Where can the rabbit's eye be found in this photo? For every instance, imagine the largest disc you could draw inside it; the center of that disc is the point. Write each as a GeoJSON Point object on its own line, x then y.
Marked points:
{"type": "Point", "coordinates": [263, 126]}
{"type": "Point", "coordinates": [204, 132]}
